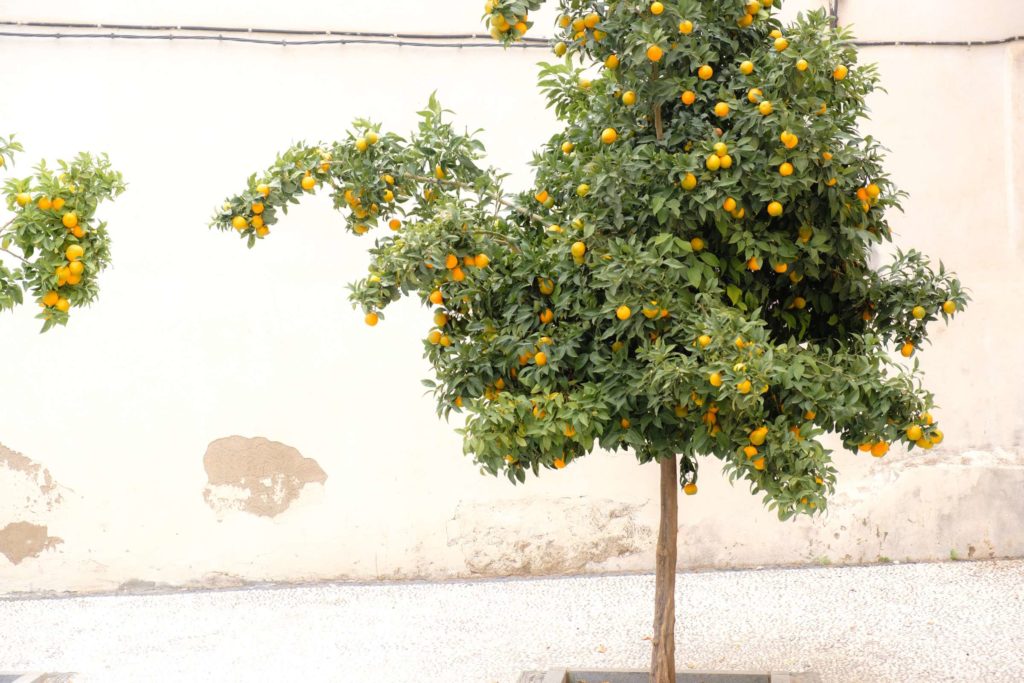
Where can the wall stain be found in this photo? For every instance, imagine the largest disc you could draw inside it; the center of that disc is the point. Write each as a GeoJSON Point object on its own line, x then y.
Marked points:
{"type": "Point", "coordinates": [256, 476]}
{"type": "Point", "coordinates": [563, 536]}
{"type": "Point", "coordinates": [19, 540]}
{"type": "Point", "coordinates": [28, 479]}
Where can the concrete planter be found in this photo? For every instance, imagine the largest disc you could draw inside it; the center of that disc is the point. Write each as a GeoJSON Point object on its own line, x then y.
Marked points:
{"type": "Point", "coordinates": [627, 676]}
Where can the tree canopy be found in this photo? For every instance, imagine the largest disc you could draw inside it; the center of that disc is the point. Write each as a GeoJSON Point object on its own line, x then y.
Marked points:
{"type": "Point", "coordinates": [690, 274]}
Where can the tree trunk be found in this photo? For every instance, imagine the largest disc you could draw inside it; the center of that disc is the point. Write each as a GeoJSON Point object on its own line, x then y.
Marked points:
{"type": "Point", "coordinates": [663, 655]}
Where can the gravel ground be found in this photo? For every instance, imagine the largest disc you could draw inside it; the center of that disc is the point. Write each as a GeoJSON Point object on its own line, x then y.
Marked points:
{"type": "Point", "coordinates": [900, 623]}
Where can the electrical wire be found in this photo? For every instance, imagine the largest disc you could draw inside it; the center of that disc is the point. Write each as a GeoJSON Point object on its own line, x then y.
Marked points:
{"type": "Point", "coordinates": [452, 40]}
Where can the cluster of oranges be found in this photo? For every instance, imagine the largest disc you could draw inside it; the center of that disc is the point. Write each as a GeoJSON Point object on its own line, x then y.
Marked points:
{"type": "Point", "coordinates": [583, 28]}
{"type": "Point", "coordinates": [919, 313]}
{"type": "Point", "coordinates": [70, 274]}
{"type": "Point", "coordinates": [922, 433]}
{"type": "Point", "coordinates": [502, 26]}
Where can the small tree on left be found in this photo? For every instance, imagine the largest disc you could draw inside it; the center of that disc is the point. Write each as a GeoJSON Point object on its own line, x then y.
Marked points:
{"type": "Point", "coordinates": [53, 247]}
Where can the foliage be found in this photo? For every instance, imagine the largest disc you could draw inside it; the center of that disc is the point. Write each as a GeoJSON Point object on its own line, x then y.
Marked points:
{"type": "Point", "coordinates": [53, 236]}
{"type": "Point", "coordinates": [691, 273]}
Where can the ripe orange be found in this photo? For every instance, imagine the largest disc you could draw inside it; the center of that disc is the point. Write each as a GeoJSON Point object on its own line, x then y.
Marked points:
{"type": "Point", "coordinates": [780, 268]}
{"type": "Point", "coordinates": [625, 423]}
{"type": "Point", "coordinates": [458, 274]}
{"type": "Point", "coordinates": [546, 286]}
{"type": "Point", "coordinates": [451, 261]}
{"type": "Point", "coordinates": [690, 489]}
{"type": "Point", "coordinates": [754, 264]}
{"type": "Point", "coordinates": [880, 449]}
{"type": "Point", "coordinates": [541, 358]}
{"type": "Point", "coordinates": [918, 312]}
{"type": "Point", "coordinates": [703, 341]}
{"type": "Point", "coordinates": [713, 162]}
{"type": "Point", "coordinates": [362, 144]}
{"type": "Point", "coordinates": [582, 190]}
{"type": "Point", "coordinates": [686, 27]}
{"type": "Point", "coordinates": [781, 44]}
{"type": "Point", "coordinates": [608, 136]}
{"type": "Point", "coordinates": [263, 189]}
{"type": "Point", "coordinates": [239, 223]}
{"type": "Point", "coordinates": [58, 203]}
{"type": "Point", "coordinates": [759, 464]}
{"type": "Point", "coordinates": [697, 244]}
{"type": "Point", "coordinates": [743, 387]}
{"type": "Point", "coordinates": [546, 316]}
{"type": "Point", "coordinates": [721, 110]}
{"type": "Point", "coordinates": [655, 53]}
{"type": "Point", "coordinates": [657, 8]}
{"type": "Point", "coordinates": [750, 451]}
{"type": "Point", "coordinates": [371, 319]}
{"type": "Point", "coordinates": [559, 463]}
{"type": "Point", "coordinates": [23, 198]}
{"type": "Point", "coordinates": [612, 62]}
{"type": "Point", "coordinates": [394, 224]}
{"type": "Point", "coordinates": [74, 252]}
{"type": "Point", "coordinates": [63, 305]}
{"type": "Point", "coordinates": [308, 182]}
{"type": "Point", "coordinates": [775, 209]}
{"type": "Point", "coordinates": [44, 203]}
{"type": "Point", "coordinates": [754, 95]}
{"type": "Point", "coordinates": [578, 249]}
{"type": "Point", "coordinates": [840, 72]}
{"type": "Point", "coordinates": [629, 98]}
{"type": "Point", "coordinates": [689, 181]}
{"type": "Point", "coordinates": [765, 108]}
{"type": "Point", "coordinates": [715, 379]}
{"type": "Point", "coordinates": [623, 312]}
{"type": "Point", "coordinates": [436, 298]}
{"type": "Point", "coordinates": [50, 299]}
{"type": "Point", "coordinates": [729, 204]}
{"type": "Point", "coordinates": [568, 147]}
{"type": "Point", "coordinates": [914, 432]}
{"type": "Point", "coordinates": [801, 65]}
{"type": "Point", "coordinates": [76, 267]}
{"type": "Point", "coordinates": [70, 219]}
{"type": "Point", "coordinates": [949, 307]}
{"type": "Point", "coordinates": [786, 169]}
{"type": "Point", "coordinates": [705, 72]}
{"type": "Point", "coordinates": [907, 350]}
{"type": "Point", "coordinates": [746, 67]}
{"type": "Point", "coordinates": [482, 260]}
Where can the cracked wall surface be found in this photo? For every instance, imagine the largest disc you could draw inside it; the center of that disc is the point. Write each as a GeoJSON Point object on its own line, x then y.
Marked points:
{"type": "Point", "coordinates": [28, 494]}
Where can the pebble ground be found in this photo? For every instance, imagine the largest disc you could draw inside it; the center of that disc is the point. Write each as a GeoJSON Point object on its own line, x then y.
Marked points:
{"type": "Point", "coordinates": [960, 621]}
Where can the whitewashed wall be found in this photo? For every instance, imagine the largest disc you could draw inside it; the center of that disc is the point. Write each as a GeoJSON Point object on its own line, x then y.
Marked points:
{"type": "Point", "coordinates": [196, 339]}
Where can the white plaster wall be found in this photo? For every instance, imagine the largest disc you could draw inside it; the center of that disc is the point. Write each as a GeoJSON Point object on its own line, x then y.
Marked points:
{"type": "Point", "coordinates": [196, 338]}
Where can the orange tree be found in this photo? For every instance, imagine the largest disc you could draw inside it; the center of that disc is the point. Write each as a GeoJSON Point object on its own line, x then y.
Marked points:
{"type": "Point", "coordinates": [690, 274]}
{"type": "Point", "coordinates": [53, 244]}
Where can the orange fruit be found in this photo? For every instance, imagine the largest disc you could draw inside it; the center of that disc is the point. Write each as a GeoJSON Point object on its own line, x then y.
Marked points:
{"type": "Point", "coordinates": [23, 198]}
{"type": "Point", "coordinates": [715, 379]}
{"type": "Point", "coordinates": [541, 358]}
{"type": "Point", "coordinates": [239, 223]}
{"type": "Point", "coordinates": [907, 350]}
{"type": "Point", "coordinates": [436, 298]}
{"type": "Point", "coordinates": [612, 62]}
{"type": "Point", "coordinates": [582, 190]}
{"type": "Point", "coordinates": [578, 249]}
{"type": "Point", "coordinates": [864, 447]}
{"type": "Point", "coordinates": [727, 162]}
{"type": "Point", "coordinates": [629, 98]}
{"type": "Point", "coordinates": [308, 182]}
{"type": "Point", "coordinates": [560, 48]}
{"type": "Point", "coordinates": [801, 65]}
{"type": "Point", "coordinates": [458, 274]}
{"type": "Point", "coordinates": [44, 203]}
{"type": "Point", "coordinates": [781, 44]}
{"type": "Point", "coordinates": [50, 299]}
{"type": "Point", "coordinates": [754, 264]}
{"type": "Point", "coordinates": [690, 489]}
{"type": "Point", "coordinates": [743, 387]}
{"type": "Point", "coordinates": [918, 312]}
{"type": "Point", "coordinates": [482, 260]}
{"type": "Point", "coordinates": [746, 67]}
{"type": "Point", "coordinates": [703, 341]}
{"type": "Point", "coordinates": [786, 169]}
{"type": "Point", "coordinates": [451, 261]}
{"type": "Point", "coordinates": [721, 110]}
{"type": "Point", "coordinates": [697, 244]}
{"type": "Point", "coordinates": [559, 463]}
{"type": "Point", "coordinates": [74, 252]}
{"type": "Point", "coordinates": [394, 224]}
{"type": "Point", "coordinates": [754, 95]}
{"type": "Point", "coordinates": [63, 305]}
{"type": "Point", "coordinates": [58, 203]}
{"type": "Point", "coordinates": [546, 316]}
{"type": "Point", "coordinates": [689, 181]}
{"type": "Point", "coordinates": [655, 53]}
{"type": "Point", "coordinates": [749, 451]}
{"type": "Point", "coordinates": [759, 464]}
{"type": "Point", "coordinates": [625, 423]}
{"type": "Point", "coordinates": [880, 449]}
{"type": "Point", "coordinates": [775, 209]}
{"type": "Point", "coordinates": [263, 189]}
{"type": "Point", "coordinates": [257, 207]}
{"type": "Point", "coordinates": [371, 318]}
{"type": "Point", "coordinates": [765, 108]}
{"type": "Point", "coordinates": [713, 162]}
{"type": "Point", "coordinates": [686, 27]}
{"type": "Point", "coordinates": [705, 72]}
{"type": "Point", "coordinates": [609, 135]}
{"type": "Point", "coordinates": [76, 267]}
{"type": "Point", "coordinates": [546, 286]}
{"type": "Point", "coordinates": [914, 432]}
{"type": "Point", "coordinates": [949, 307]}
{"type": "Point", "coordinates": [657, 8]}
{"type": "Point", "coordinates": [70, 219]}
{"type": "Point", "coordinates": [780, 268]}
{"type": "Point", "coordinates": [840, 72]}
{"type": "Point", "coordinates": [568, 147]}
{"type": "Point", "coordinates": [623, 312]}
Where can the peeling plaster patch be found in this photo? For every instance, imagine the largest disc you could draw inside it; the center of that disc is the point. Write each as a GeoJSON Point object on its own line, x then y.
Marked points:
{"type": "Point", "coordinates": [26, 486]}
{"type": "Point", "coordinates": [558, 536]}
{"type": "Point", "coordinates": [257, 476]}
{"type": "Point", "coordinates": [19, 540]}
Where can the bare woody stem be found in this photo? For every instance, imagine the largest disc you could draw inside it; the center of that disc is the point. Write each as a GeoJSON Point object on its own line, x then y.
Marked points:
{"type": "Point", "coordinates": [17, 256]}
{"type": "Point", "coordinates": [663, 643]}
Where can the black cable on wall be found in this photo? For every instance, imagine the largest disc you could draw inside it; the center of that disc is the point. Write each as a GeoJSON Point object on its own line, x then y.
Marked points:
{"type": "Point", "coordinates": [310, 37]}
